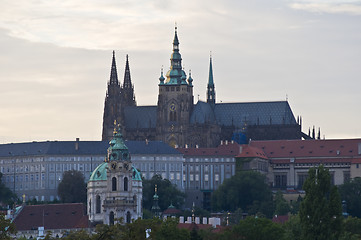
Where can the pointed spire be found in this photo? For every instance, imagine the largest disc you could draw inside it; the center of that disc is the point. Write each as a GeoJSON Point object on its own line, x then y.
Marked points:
{"type": "Point", "coordinates": [319, 134]}
{"type": "Point", "coordinates": [175, 40]}
{"type": "Point", "coordinates": [127, 81]}
{"type": "Point", "coordinates": [211, 94]}
{"type": "Point", "coordinates": [113, 71]}
{"type": "Point", "coordinates": [313, 133]}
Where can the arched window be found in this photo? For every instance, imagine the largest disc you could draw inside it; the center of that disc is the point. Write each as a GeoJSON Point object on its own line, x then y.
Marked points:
{"type": "Point", "coordinates": [97, 204]}
{"type": "Point", "coordinates": [114, 184]}
{"type": "Point", "coordinates": [128, 217]}
{"type": "Point", "coordinates": [111, 218]}
{"type": "Point", "coordinates": [125, 184]}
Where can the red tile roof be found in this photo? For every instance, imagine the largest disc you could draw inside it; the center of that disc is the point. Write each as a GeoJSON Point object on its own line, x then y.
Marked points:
{"type": "Point", "coordinates": [309, 148]}
{"type": "Point", "coordinates": [52, 216]}
{"type": "Point", "coordinates": [229, 149]}
{"type": "Point", "coordinates": [249, 151]}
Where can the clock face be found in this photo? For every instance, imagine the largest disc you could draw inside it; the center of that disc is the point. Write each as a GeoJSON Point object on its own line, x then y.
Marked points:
{"type": "Point", "coordinates": [114, 165]}
{"type": "Point", "coordinates": [172, 107]}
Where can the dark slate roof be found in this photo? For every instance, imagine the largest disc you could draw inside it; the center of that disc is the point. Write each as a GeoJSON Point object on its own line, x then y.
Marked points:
{"type": "Point", "coordinates": [202, 113]}
{"type": "Point", "coordinates": [52, 216]}
{"type": "Point", "coordinates": [226, 114]}
{"type": "Point", "coordinates": [140, 117]}
{"type": "Point", "coordinates": [252, 113]}
{"type": "Point", "coordinates": [85, 148]}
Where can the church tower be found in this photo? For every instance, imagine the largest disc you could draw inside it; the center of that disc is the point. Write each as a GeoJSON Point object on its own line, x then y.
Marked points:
{"type": "Point", "coordinates": [211, 93]}
{"type": "Point", "coordinates": [175, 101]}
{"type": "Point", "coordinates": [112, 105]}
{"type": "Point", "coordinates": [115, 186]}
{"type": "Point", "coordinates": [127, 90]}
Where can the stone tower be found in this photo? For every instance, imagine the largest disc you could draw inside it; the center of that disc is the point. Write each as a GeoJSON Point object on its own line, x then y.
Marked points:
{"type": "Point", "coordinates": [117, 98]}
{"type": "Point", "coordinates": [115, 186]}
{"type": "Point", "coordinates": [175, 101]}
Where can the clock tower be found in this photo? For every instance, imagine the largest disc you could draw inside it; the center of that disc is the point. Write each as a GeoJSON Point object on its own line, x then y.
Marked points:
{"type": "Point", "coordinates": [175, 101]}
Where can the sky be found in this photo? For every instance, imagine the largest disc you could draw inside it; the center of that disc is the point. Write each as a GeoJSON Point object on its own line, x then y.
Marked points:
{"type": "Point", "coordinates": [55, 59]}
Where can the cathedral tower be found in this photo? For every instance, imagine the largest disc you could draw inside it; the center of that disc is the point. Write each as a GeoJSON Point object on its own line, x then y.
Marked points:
{"type": "Point", "coordinates": [127, 90]}
{"type": "Point", "coordinates": [175, 101]}
{"type": "Point", "coordinates": [112, 105]}
{"type": "Point", "coordinates": [117, 98]}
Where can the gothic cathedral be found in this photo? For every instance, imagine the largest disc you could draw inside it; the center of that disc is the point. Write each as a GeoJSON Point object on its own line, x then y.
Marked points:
{"type": "Point", "coordinates": [177, 121]}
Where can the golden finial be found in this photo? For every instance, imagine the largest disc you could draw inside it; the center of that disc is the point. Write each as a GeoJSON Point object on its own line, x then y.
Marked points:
{"type": "Point", "coordinates": [155, 190]}
{"type": "Point", "coordinates": [115, 127]}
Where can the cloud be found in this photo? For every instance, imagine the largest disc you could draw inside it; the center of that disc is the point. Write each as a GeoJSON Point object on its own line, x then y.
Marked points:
{"type": "Point", "coordinates": [332, 7]}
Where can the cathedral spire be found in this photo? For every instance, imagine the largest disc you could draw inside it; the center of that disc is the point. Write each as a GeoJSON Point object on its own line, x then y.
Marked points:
{"type": "Point", "coordinates": [211, 94]}
{"type": "Point", "coordinates": [127, 90]}
{"type": "Point", "coordinates": [113, 72]}
{"type": "Point", "coordinates": [127, 81]}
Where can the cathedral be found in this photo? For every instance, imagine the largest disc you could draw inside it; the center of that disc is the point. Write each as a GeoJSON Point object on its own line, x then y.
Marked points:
{"type": "Point", "coordinates": [115, 186]}
{"type": "Point", "coordinates": [178, 121]}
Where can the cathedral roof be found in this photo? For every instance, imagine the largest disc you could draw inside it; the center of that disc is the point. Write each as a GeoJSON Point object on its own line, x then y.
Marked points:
{"type": "Point", "coordinates": [140, 117]}
{"type": "Point", "coordinates": [99, 173]}
{"type": "Point", "coordinates": [202, 113]}
{"type": "Point", "coordinates": [254, 113]}
{"type": "Point", "coordinates": [238, 114]}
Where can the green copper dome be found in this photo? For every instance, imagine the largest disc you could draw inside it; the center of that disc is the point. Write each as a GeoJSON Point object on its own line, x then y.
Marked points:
{"type": "Point", "coordinates": [100, 173]}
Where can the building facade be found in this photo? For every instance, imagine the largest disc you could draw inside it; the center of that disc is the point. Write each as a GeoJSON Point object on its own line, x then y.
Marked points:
{"type": "Point", "coordinates": [178, 121]}
{"type": "Point", "coordinates": [36, 168]}
{"type": "Point", "coordinates": [290, 160]}
{"type": "Point", "coordinates": [115, 186]}
{"type": "Point", "coordinates": [205, 169]}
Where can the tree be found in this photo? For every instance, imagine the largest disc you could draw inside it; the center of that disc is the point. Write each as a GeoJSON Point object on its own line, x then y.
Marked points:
{"type": "Point", "coordinates": [320, 212]}
{"type": "Point", "coordinates": [168, 193]}
{"type": "Point", "coordinates": [7, 228]}
{"type": "Point", "coordinates": [351, 193]}
{"type": "Point", "coordinates": [257, 229]}
{"type": "Point", "coordinates": [6, 195]}
{"type": "Point", "coordinates": [72, 188]}
{"type": "Point", "coordinates": [282, 207]}
{"type": "Point", "coordinates": [242, 191]}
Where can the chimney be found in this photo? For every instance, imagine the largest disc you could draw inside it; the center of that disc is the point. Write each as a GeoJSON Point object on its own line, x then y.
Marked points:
{"type": "Point", "coordinates": [186, 146]}
{"type": "Point", "coordinates": [146, 142]}
{"type": "Point", "coordinates": [221, 142]}
{"type": "Point", "coordinates": [226, 142]}
{"type": "Point", "coordinates": [197, 146]}
{"type": "Point", "coordinates": [77, 144]}
{"type": "Point", "coordinates": [240, 149]}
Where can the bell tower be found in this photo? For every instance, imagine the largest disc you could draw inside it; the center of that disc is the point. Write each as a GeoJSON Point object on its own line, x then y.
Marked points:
{"type": "Point", "coordinates": [175, 101]}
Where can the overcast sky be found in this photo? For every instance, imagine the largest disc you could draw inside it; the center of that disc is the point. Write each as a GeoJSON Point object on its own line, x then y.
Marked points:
{"type": "Point", "coordinates": [55, 59]}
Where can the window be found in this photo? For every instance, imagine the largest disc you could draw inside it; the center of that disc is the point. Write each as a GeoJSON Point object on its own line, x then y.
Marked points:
{"type": "Point", "coordinates": [197, 177]}
{"type": "Point", "coordinates": [111, 218]}
{"type": "Point", "coordinates": [216, 177]}
{"type": "Point", "coordinates": [125, 184]}
{"type": "Point", "coordinates": [191, 177]}
{"type": "Point", "coordinates": [97, 204]}
{"type": "Point", "coordinates": [281, 180]}
{"type": "Point", "coordinates": [114, 184]}
{"type": "Point", "coordinates": [346, 176]}
{"type": "Point", "coordinates": [178, 176]}
{"type": "Point", "coordinates": [128, 217]}
{"type": "Point", "coordinates": [206, 177]}
{"type": "Point", "coordinates": [172, 176]}
{"type": "Point", "coordinates": [301, 180]}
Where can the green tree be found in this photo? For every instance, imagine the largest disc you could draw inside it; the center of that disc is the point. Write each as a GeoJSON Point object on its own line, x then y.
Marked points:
{"type": "Point", "coordinates": [281, 205]}
{"type": "Point", "coordinates": [320, 212]}
{"type": "Point", "coordinates": [351, 193]}
{"type": "Point", "coordinates": [253, 228]}
{"type": "Point", "coordinates": [292, 228]}
{"type": "Point", "coordinates": [7, 228]}
{"type": "Point", "coordinates": [242, 191]}
{"type": "Point", "coordinates": [167, 192]}
{"type": "Point", "coordinates": [6, 195]}
{"type": "Point", "coordinates": [72, 188]}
